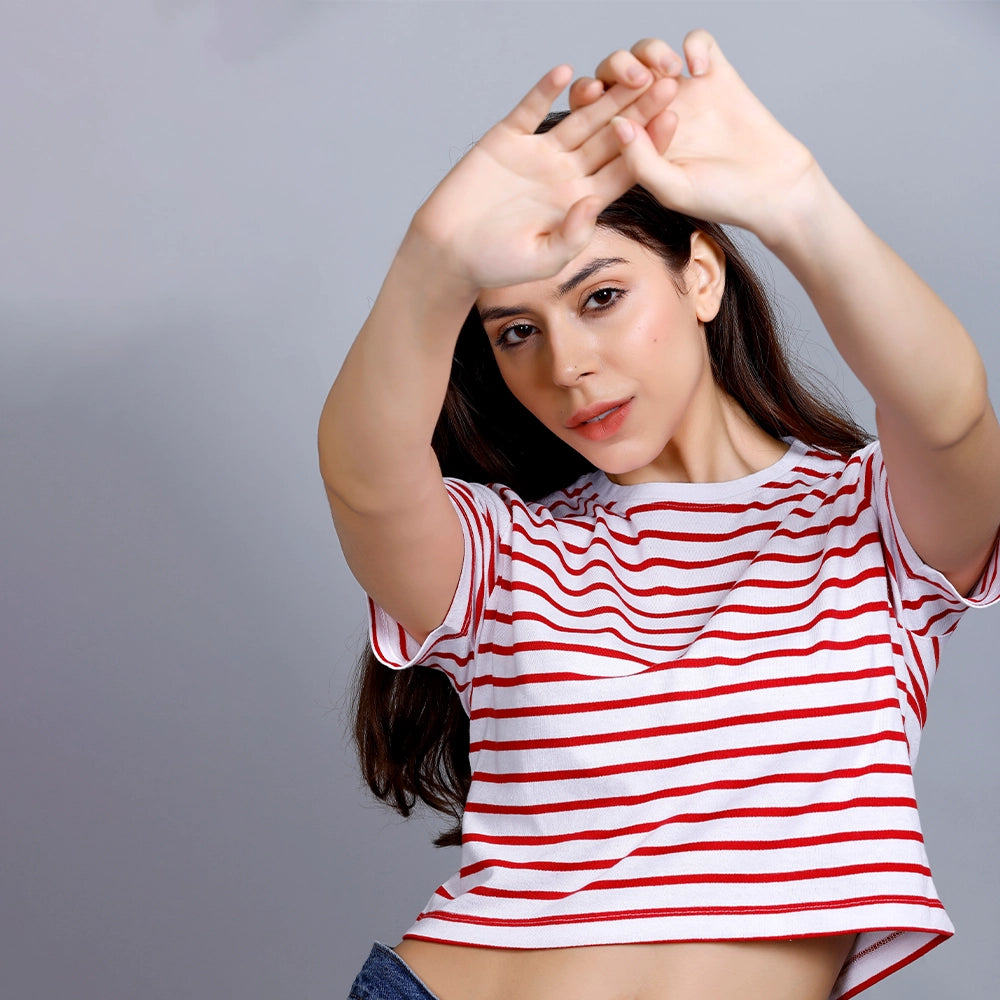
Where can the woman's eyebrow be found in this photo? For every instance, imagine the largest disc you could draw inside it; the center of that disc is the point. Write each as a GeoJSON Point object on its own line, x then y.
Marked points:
{"type": "Point", "coordinates": [586, 271]}
{"type": "Point", "coordinates": [505, 312]}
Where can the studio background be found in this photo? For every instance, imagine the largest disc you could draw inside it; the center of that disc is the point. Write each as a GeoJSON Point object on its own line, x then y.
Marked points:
{"type": "Point", "coordinates": [198, 201]}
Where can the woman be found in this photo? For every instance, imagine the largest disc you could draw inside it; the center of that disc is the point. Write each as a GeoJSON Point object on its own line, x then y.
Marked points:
{"type": "Point", "coordinates": [694, 673]}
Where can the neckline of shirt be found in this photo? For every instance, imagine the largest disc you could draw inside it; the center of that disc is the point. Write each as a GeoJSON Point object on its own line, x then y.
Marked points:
{"type": "Point", "coordinates": [700, 491]}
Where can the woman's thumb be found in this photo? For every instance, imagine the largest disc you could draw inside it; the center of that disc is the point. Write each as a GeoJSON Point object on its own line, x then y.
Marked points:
{"type": "Point", "coordinates": [644, 161]}
{"type": "Point", "coordinates": [636, 146]}
{"type": "Point", "coordinates": [578, 226]}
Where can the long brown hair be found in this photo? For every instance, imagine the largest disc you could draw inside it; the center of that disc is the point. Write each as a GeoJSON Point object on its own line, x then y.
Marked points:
{"type": "Point", "coordinates": [411, 732]}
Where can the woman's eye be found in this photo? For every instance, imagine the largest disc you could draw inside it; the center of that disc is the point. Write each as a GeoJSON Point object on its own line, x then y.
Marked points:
{"type": "Point", "coordinates": [604, 297]}
{"type": "Point", "coordinates": [510, 336]}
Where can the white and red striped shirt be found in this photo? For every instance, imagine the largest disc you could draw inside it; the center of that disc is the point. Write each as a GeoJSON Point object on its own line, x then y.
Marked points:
{"type": "Point", "coordinates": [694, 708]}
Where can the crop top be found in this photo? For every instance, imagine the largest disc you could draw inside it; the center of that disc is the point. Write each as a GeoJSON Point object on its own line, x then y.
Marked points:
{"type": "Point", "coordinates": [694, 708]}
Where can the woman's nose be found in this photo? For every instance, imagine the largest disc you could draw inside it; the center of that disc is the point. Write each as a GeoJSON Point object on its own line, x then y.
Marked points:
{"type": "Point", "coordinates": [572, 357]}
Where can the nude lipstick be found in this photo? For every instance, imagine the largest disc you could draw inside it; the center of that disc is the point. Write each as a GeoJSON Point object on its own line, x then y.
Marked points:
{"type": "Point", "coordinates": [601, 420]}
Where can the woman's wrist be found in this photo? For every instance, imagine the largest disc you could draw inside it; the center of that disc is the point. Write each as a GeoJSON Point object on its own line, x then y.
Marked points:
{"type": "Point", "coordinates": [433, 274]}
{"type": "Point", "coordinates": [427, 251]}
{"type": "Point", "coordinates": [798, 229]}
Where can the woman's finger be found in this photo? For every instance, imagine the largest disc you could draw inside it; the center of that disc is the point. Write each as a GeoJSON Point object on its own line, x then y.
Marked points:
{"type": "Point", "coordinates": [652, 53]}
{"type": "Point", "coordinates": [645, 163]}
{"type": "Point", "coordinates": [603, 147]}
{"type": "Point", "coordinates": [574, 130]}
{"type": "Point", "coordinates": [576, 228]}
{"type": "Point", "coordinates": [622, 67]}
{"type": "Point", "coordinates": [535, 105]}
{"type": "Point", "coordinates": [584, 91]}
{"type": "Point", "coordinates": [658, 56]}
{"type": "Point", "coordinates": [702, 53]}
{"type": "Point", "coordinates": [661, 129]}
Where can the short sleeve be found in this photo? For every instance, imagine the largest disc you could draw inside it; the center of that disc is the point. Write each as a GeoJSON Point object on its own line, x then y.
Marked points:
{"type": "Point", "coordinates": [485, 521]}
{"type": "Point", "coordinates": [924, 601]}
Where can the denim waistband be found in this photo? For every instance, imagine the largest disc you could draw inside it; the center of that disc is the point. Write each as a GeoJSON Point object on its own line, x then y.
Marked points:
{"type": "Point", "coordinates": [385, 976]}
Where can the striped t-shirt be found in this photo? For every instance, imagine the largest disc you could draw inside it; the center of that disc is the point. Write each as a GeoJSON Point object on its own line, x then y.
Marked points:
{"type": "Point", "coordinates": [694, 708]}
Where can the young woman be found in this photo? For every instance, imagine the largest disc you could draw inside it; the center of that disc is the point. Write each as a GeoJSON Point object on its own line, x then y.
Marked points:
{"type": "Point", "coordinates": [682, 643]}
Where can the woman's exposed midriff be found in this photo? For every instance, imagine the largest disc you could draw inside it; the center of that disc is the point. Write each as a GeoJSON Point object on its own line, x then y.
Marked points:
{"type": "Point", "coordinates": [799, 969]}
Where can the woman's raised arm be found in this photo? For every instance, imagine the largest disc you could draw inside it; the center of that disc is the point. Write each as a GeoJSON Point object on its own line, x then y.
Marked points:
{"type": "Point", "coordinates": [517, 207]}
{"type": "Point", "coordinates": [730, 161]}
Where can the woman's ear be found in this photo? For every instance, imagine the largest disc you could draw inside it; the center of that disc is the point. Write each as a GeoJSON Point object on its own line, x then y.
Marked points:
{"type": "Point", "coordinates": [706, 276]}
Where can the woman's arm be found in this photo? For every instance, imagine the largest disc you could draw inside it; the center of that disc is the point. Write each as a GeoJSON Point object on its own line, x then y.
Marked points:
{"type": "Point", "coordinates": [382, 479]}
{"type": "Point", "coordinates": [730, 161]}
{"type": "Point", "coordinates": [939, 433]}
{"type": "Point", "coordinates": [517, 207]}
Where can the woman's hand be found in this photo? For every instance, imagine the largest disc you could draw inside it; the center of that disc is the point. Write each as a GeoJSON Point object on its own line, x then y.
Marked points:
{"type": "Point", "coordinates": [519, 206]}
{"type": "Point", "coordinates": [716, 153]}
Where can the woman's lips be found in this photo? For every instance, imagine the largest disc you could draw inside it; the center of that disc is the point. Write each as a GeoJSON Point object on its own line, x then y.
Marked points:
{"type": "Point", "coordinates": [601, 420]}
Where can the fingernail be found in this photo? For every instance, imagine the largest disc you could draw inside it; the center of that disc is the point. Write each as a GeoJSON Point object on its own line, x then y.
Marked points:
{"type": "Point", "coordinates": [636, 74]}
{"type": "Point", "coordinates": [669, 65]}
{"type": "Point", "coordinates": [699, 66]}
{"type": "Point", "coordinates": [624, 129]}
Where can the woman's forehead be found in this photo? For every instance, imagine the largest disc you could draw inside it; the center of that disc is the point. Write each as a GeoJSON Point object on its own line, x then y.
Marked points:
{"type": "Point", "coordinates": [605, 248]}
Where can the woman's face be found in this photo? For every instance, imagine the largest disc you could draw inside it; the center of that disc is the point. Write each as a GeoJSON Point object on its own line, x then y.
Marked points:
{"type": "Point", "coordinates": [610, 354]}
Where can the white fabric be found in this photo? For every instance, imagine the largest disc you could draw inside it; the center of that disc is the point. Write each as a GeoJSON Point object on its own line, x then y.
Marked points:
{"type": "Point", "coordinates": [694, 710]}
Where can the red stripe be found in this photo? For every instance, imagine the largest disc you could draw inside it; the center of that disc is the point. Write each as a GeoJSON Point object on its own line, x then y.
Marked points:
{"type": "Point", "coordinates": [577, 505]}
{"type": "Point", "coordinates": [476, 602]}
{"type": "Point", "coordinates": [749, 812]}
{"type": "Point", "coordinates": [609, 556]}
{"type": "Point", "coordinates": [485, 679]}
{"type": "Point", "coordinates": [491, 551]}
{"type": "Point", "coordinates": [831, 583]}
{"type": "Point", "coordinates": [910, 700]}
{"type": "Point", "coordinates": [789, 843]}
{"type": "Point", "coordinates": [757, 608]}
{"type": "Point", "coordinates": [896, 966]}
{"type": "Point", "coordinates": [704, 878]}
{"type": "Point", "coordinates": [729, 784]}
{"type": "Point", "coordinates": [949, 616]}
{"type": "Point", "coordinates": [609, 539]}
{"type": "Point", "coordinates": [917, 689]}
{"type": "Point", "coordinates": [690, 911]}
{"type": "Point", "coordinates": [820, 528]}
{"type": "Point", "coordinates": [373, 631]}
{"type": "Point", "coordinates": [828, 614]}
{"type": "Point", "coordinates": [687, 662]}
{"type": "Point", "coordinates": [656, 506]}
{"type": "Point", "coordinates": [694, 758]}
{"type": "Point", "coordinates": [686, 727]}
{"type": "Point", "coordinates": [917, 603]}
{"type": "Point", "coordinates": [981, 593]}
{"type": "Point", "coordinates": [546, 568]}
{"type": "Point", "coordinates": [925, 674]}
{"type": "Point", "coordinates": [762, 684]}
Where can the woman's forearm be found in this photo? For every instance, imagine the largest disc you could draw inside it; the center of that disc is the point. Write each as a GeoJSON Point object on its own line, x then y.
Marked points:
{"type": "Point", "coordinates": [904, 344]}
{"type": "Point", "coordinates": [375, 429]}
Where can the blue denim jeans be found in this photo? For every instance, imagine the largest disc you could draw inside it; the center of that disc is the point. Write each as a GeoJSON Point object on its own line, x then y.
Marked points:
{"type": "Point", "coordinates": [385, 976]}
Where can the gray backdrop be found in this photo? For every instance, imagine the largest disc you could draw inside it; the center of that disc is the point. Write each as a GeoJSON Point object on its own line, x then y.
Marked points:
{"type": "Point", "coordinates": [198, 201]}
